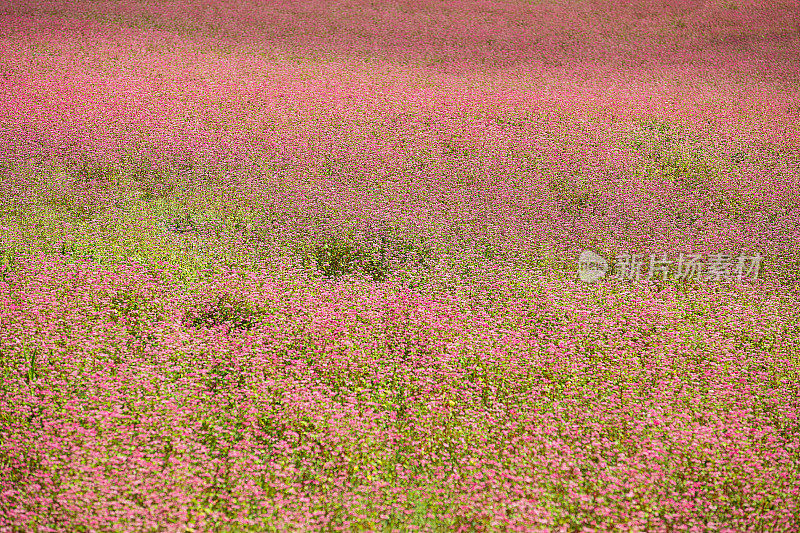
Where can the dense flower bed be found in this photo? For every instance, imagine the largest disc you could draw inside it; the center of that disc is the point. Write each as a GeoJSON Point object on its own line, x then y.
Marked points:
{"type": "Point", "coordinates": [313, 266]}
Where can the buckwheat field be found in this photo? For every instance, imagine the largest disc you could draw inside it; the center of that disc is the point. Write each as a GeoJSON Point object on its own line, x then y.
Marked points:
{"type": "Point", "coordinates": [399, 266]}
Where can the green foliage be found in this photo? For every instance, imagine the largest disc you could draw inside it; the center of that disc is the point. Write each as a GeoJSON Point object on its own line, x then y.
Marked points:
{"type": "Point", "coordinates": [270, 430]}
{"type": "Point", "coordinates": [236, 221]}
{"type": "Point", "coordinates": [88, 172]}
{"type": "Point", "coordinates": [387, 251]}
{"type": "Point", "coordinates": [520, 121]}
{"type": "Point", "coordinates": [689, 173]}
{"type": "Point", "coordinates": [334, 258]}
{"type": "Point", "coordinates": [654, 125]}
{"type": "Point", "coordinates": [138, 312]}
{"type": "Point", "coordinates": [184, 163]}
{"type": "Point", "coordinates": [653, 138]}
{"type": "Point", "coordinates": [739, 157]}
{"type": "Point", "coordinates": [8, 262]}
{"type": "Point", "coordinates": [236, 314]}
{"type": "Point", "coordinates": [73, 251]}
{"type": "Point", "coordinates": [574, 195]}
{"type": "Point", "coordinates": [376, 258]}
{"type": "Point", "coordinates": [155, 180]}
{"type": "Point", "coordinates": [181, 224]}
{"type": "Point", "coordinates": [489, 250]}
{"type": "Point", "coordinates": [75, 206]}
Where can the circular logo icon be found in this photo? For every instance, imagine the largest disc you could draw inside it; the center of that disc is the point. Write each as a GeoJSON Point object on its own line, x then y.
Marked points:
{"type": "Point", "coordinates": [591, 266]}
